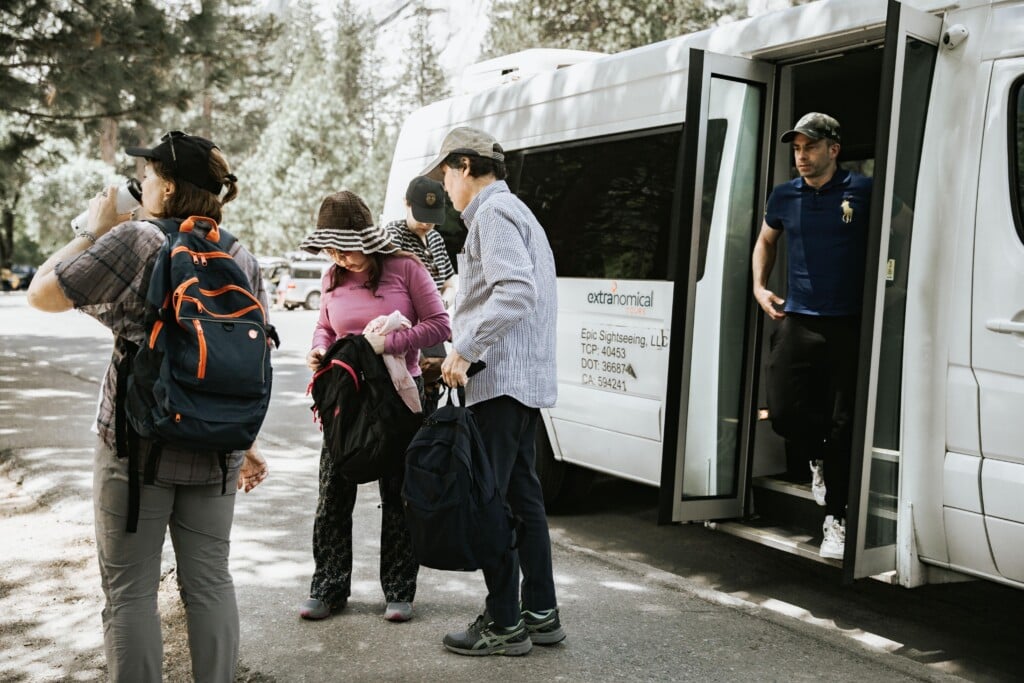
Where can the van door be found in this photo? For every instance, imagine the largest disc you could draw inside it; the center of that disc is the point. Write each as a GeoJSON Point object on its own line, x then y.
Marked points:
{"type": "Point", "coordinates": [908, 63]}
{"type": "Point", "coordinates": [997, 330]}
{"type": "Point", "coordinates": [704, 461]}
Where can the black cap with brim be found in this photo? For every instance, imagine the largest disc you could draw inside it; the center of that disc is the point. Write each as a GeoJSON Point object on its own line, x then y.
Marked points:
{"type": "Point", "coordinates": [186, 157]}
{"type": "Point", "coordinates": [426, 199]}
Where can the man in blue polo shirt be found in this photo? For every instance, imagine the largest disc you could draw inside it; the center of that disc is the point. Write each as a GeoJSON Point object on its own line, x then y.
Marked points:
{"type": "Point", "coordinates": [812, 365]}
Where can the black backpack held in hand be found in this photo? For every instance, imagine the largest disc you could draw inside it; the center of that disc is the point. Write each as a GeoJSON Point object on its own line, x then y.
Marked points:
{"type": "Point", "coordinates": [366, 424]}
{"type": "Point", "coordinates": [455, 512]}
{"type": "Point", "coordinates": [202, 379]}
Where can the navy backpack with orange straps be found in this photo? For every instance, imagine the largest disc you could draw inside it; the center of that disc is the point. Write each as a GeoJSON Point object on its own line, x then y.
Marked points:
{"type": "Point", "coordinates": [202, 379]}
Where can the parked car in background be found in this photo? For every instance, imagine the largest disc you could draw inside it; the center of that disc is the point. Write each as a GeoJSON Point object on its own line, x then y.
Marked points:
{"type": "Point", "coordinates": [18, 276]}
{"type": "Point", "coordinates": [293, 280]}
{"type": "Point", "coordinates": [303, 286]}
{"type": "Point", "coordinates": [272, 268]}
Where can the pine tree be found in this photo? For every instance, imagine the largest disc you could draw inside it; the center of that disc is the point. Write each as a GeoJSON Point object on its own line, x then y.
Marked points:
{"type": "Point", "coordinates": [67, 67]}
{"type": "Point", "coordinates": [104, 73]}
{"type": "Point", "coordinates": [321, 137]}
{"type": "Point", "coordinates": [225, 63]}
{"type": "Point", "coordinates": [601, 25]}
{"type": "Point", "coordinates": [422, 81]}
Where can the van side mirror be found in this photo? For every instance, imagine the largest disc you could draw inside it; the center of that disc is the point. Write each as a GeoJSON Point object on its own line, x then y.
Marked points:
{"type": "Point", "coordinates": [954, 35]}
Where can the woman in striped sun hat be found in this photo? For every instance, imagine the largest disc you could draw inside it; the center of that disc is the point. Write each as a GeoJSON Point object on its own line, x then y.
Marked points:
{"type": "Point", "coordinates": [370, 277]}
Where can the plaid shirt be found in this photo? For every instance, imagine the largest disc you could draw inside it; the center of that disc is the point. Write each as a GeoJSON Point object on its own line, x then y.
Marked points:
{"type": "Point", "coordinates": [108, 281]}
{"type": "Point", "coordinates": [433, 253]}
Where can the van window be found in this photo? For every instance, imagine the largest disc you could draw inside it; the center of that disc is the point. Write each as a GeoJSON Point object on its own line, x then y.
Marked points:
{"type": "Point", "coordinates": [1017, 153]}
{"type": "Point", "coordinates": [606, 205]}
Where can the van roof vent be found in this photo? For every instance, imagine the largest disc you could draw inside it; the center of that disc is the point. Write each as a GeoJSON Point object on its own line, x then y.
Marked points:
{"type": "Point", "coordinates": [517, 66]}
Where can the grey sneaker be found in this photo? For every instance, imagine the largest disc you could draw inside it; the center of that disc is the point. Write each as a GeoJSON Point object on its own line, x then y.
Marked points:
{"type": "Point", "coordinates": [818, 481]}
{"type": "Point", "coordinates": [484, 637]}
{"type": "Point", "coordinates": [834, 542]}
{"type": "Point", "coordinates": [398, 611]}
{"type": "Point", "coordinates": [544, 627]}
{"type": "Point", "coordinates": [314, 609]}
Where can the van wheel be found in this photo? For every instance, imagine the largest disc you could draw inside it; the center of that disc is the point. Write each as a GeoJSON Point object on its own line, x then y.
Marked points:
{"type": "Point", "coordinates": [565, 486]}
{"type": "Point", "coordinates": [312, 301]}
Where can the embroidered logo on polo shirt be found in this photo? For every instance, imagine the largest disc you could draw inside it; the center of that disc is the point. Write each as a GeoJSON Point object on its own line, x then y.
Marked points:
{"type": "Point", "coordinates": [847, 211]}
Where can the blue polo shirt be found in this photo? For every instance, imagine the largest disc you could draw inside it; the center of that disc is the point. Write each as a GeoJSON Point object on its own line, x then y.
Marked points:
{"type": "Point", "coordinates": [826, 240]}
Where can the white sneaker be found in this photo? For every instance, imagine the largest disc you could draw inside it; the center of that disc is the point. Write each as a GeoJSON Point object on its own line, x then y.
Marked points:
{"type": "Point", "coordinates": [818, 481]}
{"type": "Point", "coordinates": [834, 543]}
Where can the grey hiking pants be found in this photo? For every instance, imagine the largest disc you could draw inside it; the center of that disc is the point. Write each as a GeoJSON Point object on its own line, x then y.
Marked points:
{"type": "Point", "coordinates": [200, 520]}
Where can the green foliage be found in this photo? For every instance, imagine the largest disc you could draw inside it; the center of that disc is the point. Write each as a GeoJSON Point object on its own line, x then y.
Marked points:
{"type": "Point", "coordinates": [233, 84]}
{"type": "Point", "coordinates": [321, 139]}
{"type": "Point", "coordinates": [601, 25]}
{"type": "Point", "coordinates": [50, 201]}
{"type": "Point", "coordinates": [422, 80]}
{"type": "Point", "coordinates": [80, 70]}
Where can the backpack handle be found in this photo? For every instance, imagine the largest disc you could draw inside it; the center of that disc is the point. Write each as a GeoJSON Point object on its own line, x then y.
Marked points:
{"type": "Point", "coordinates": [213, 234]}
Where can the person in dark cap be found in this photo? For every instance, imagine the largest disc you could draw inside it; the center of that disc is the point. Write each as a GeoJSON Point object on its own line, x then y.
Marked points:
{"type": "Point", "coordinates": [370, 277]}
{"type": "Point", "coordinates": [812, 365]}
{"type": "Point", "coordinates": [425, 209]}
{"type": "Point", "coordinates": [505, 316]}
{"type": "Point", "coordinates": [103, 271]}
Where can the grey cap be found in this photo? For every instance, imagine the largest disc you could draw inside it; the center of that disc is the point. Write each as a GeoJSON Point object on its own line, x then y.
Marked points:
{"type": "Point", "coordinates": [814, 125]}
{"type": "Point", "coordinates": [470, 142]}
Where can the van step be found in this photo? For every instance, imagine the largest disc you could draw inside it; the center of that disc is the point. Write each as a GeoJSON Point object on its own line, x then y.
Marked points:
{"type": "Point", "coordinates": [787, 504]}
{"type": "Point", "coordinates": [792, 541]}
{"type": "Point", "coordinates": [782, 486]}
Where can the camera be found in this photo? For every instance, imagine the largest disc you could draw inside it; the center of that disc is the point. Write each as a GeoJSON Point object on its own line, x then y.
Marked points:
{"type": "Point", "coordinates": [129, 197]}
{"type": "Point", "coordinates": [954, 35]}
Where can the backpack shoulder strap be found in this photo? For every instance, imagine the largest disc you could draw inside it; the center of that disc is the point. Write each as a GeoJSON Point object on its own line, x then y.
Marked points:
{"type": "Point", "coordinates": [169, 226]}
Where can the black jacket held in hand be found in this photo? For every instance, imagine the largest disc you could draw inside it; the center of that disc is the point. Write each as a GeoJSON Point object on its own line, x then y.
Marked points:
{"type": "Point", "coordinates": [366, 425]}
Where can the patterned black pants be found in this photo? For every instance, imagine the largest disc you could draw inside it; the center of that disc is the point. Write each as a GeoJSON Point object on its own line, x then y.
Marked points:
{"type": "Point", "coordinates": [332, 539]}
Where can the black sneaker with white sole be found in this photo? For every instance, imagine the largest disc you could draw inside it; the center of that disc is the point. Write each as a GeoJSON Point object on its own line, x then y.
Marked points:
{"type": "Point", "coordinates": [544, 627]}
{"type": "Point", "coordinates": [484, 637]}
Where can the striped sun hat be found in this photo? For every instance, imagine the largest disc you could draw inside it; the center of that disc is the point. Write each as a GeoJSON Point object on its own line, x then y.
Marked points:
{"type": "Point", "coordinates": [345, 224]}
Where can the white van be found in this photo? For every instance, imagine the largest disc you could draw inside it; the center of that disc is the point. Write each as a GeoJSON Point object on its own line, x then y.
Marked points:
{"type": "Point", "coordinates": [649, 170]}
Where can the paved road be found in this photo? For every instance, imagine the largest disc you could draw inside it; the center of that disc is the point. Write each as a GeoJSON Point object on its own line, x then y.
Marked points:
{"type": "Point", "coordinates": [640, 602]}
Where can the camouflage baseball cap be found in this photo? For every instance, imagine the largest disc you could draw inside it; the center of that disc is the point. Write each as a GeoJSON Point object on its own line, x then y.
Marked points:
{"type": "Point", "coordinates": [815, 126]}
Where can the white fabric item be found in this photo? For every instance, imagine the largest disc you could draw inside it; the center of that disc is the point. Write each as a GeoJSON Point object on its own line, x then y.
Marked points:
{"type": "Point", "coordinates": [818, 481]}
{"type": "Point", "coordinates": [405, 385]}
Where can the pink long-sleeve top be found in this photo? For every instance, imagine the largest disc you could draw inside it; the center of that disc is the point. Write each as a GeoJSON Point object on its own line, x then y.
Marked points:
{"type": "Point", "coordinates": [405, 286]}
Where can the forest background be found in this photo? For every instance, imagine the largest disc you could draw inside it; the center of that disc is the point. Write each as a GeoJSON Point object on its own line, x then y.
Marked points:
{"type": "Point", "coordinates": [305, 97]}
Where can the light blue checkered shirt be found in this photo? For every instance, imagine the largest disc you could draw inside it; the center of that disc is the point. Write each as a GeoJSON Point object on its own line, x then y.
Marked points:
{"type": "Point", "coordinates": [507, 301]}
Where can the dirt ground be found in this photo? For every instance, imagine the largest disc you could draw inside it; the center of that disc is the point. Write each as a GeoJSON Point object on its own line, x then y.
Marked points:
{"type": "Point", "coordinates": [50, 596]}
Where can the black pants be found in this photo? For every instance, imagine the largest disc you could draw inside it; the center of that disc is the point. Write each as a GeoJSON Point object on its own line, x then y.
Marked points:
{"type": "Point", "coordinates": [332, 540]}
{"type": "Point", "coordinates": [812, 376]}
{"type": "Point", "coordinates": [508, 429]}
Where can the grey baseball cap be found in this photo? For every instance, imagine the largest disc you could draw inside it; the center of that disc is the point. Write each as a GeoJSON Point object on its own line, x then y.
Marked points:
{"type": "Point", "coordinates": [470, 142]}
{"type": "Point", "coordinates": [814, 125]}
